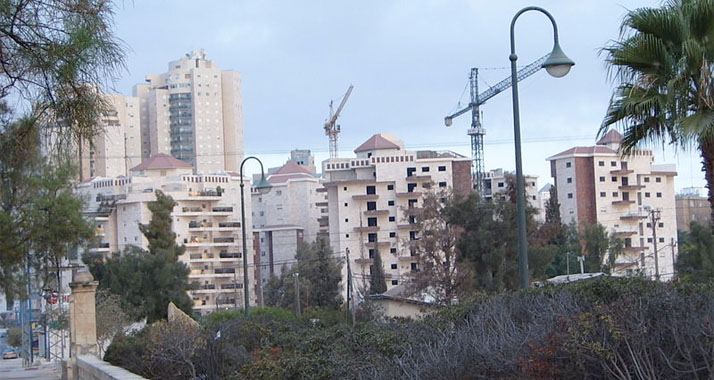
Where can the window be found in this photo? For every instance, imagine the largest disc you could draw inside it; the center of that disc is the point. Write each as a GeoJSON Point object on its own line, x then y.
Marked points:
{"type": "Point", "coordinates": [411, 171]}
{"type": "Point", "coordinates": [410, 187]}
{"type": "Point", "coordinates": [372, 237]}
{"type": "Point", "coordinates": [568, 164]}
{"type": "Point", "coordinates": [390, 187]}
{"type": "Point", "coordinates": [372, 222]}
{"type": "Point", "coordinates": [613, 163]}
{"type": "Point", "coordinates": [647, 179]}
{"type": "Point", "coordinates": [413, 235]}
{"type": "Point", "coordinates": [278, 192]}
{"type": "Point", "coordinates": [569, 180]}
{"type": "Point", "coordinates": [661, 240]}
{"type": "Point", "coordinates": [347, 236]}
{"type": "Point", "coordinates": [371, 206]}
{"type": "Point", "coordinates": [393, 266]}
{"type": "Point", "coordinates": [647, 195]}
{"type": "Point", "coordinates": [395, 282]}
{"type": "Point", "coordinates": [345, 188]}
{"type": "Point", "coordinates": [614, 194]}
{"type": "Point", "coordinates": [424, 169]}
{"type": "Point", "coordinates": [661, 225]}
{"type": "Point", "coordinates": [658, 179]}
{"type": "Point", "coordinates": [603, 194]}
{"type": "Point", "coordinates": [442, 168]}
{"type": "Point", "coordinates": [391, 218]}
{"type": "Point", "coordinates": [614, 179]}
{"type": "Point", "coordinates": [570, 195]}
{"type": "Point", "coordinates": [347, 220]}
{"type": "Point", "coordinates": [602, 179]}
{"type": "Point", "coordinates": [371, 190]}
{"type": "Point", "coordinates": [659, 195]}
{"type": "Point", "coordinates": [601, 163]}
{"type": "Point", "coordinates": [442, 184]}
{"type": "Point", "coordinates": [649, 240]}
{"type": "Point", "coordinates": [392, 234]}
{"type": "Point", "coordinates": [392, 250]}
{"type": "Point", "coordinates": [390, 203]}
{"type": "Point", "coordinates": [371, 253]}
{"type": "Point", "coordinates": [500, 184]}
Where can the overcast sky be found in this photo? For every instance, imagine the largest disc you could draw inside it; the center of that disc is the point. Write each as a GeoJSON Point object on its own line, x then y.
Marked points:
{"type": "Point", "coordinates": [409, 62]}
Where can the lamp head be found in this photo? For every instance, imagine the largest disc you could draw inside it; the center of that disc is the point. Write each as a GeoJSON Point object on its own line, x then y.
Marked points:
{"type": "Point", "coordinates": [558, 64]}
{"type": "Point", "coordinates": [262, 186]}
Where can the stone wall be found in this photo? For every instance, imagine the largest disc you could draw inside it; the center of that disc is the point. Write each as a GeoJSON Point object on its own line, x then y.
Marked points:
{"type": "Point", "coordinates": [91, 368]}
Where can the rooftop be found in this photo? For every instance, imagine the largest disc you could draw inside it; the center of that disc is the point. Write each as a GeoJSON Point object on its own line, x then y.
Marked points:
{"type": "Point", "coordinates": [161, 161]}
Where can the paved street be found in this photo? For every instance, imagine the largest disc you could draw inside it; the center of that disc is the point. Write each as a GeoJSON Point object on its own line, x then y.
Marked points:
{"type": "Point", "coordinates": [11, 369]}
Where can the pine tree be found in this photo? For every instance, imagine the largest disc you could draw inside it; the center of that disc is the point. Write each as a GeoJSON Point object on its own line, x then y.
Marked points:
{"type": "Point", "coordinates": [377, 280]}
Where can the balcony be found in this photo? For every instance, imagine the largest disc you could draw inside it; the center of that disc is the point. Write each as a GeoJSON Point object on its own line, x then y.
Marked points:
{"type": "Point", "coordinates": [376, 212]}
{"type": "Point", "coordinates": [621, 171]}
{"type": "Point", "coordinates": [229, 225]}
{"type": "Point", "coordinates": [191, 211]}
{"type": "Point", "coordinates": [409, 194]}
{"type": "Point", "coordinates": [362, 261]}
{"type": "Point", "coordinates": [201, 257]}
{"type": "Point", "coordinates": [634, 249]}
{"type": "Point", "coordinates": [222, 209]}
{"type": "Point", "coordinates": [408, 258]}
{"type": "Point", "coordinates": [418, 178]}
{"type": "Point", "coordinates": [622, 202]}
{"type": "Point", "coordinates": [230, 255]}
{"type": "Point", "coordinates": [410, 226]}
{"type": "Point", "coordinates": [381, 244]}
{"type": "Point", "coordinates": [634, 215]}
{"type": "Point", "coordinates": [224, 240]}
{"type": "Point", "coordinates": [321, 204]}
{"type": "Point", "coordinates": [631, 187]}
{"type": "Point", "coordinates": [367, 229]}
{"type": "Point", "coordinates": [620, 233]}
{"type": "Point", "coordinates": [99, 231]}
{"type": "Point", "coordinates": [365, 197]}
{"type": "Point", "coordinates": [99, 247]}
{"type": "Point", "coordinates": [198, 225]}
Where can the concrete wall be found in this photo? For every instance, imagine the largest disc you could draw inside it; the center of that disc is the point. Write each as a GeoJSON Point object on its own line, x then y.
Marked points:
{"type": "Point", "coordinates": [91, 368]}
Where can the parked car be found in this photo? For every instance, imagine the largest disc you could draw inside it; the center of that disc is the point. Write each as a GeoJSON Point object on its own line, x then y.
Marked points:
{"type": "Point", "coordinates": [10, 353]}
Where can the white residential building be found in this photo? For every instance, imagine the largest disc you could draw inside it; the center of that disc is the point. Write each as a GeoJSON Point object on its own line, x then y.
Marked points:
{"type": "Point", "coordinates": [367, 196]}
{"type": "Point", "coordinates": [286, 216]}
{"type": "Point", "coordinates": [495, 185]}
{"type": "Point", "coordinates": [597, 184]}
{"type": "Point", "coordinates": [194, 113]}
{"type": "Point", "coordinates": [206, 220]}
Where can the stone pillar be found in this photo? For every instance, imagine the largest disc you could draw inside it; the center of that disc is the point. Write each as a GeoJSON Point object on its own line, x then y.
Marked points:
{"type": "Point", "coordinates": [82, 319]}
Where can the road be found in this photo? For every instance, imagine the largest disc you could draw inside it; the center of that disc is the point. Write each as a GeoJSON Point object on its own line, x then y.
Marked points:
{"type": "Point", "coordinates": [11, 369]}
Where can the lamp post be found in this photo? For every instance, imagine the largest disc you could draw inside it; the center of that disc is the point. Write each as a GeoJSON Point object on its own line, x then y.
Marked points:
{"type": "Point", "coordinates": [263, 187]}
{"type": "Point", "coordinates": [557, 65]}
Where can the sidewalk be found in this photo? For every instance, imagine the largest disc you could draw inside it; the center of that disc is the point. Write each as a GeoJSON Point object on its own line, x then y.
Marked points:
{"type": "Point", "coordinates": [11, 369]}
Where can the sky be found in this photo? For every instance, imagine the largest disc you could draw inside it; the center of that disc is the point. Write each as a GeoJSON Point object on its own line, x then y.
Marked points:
{"type": "Point", "coordinates": [409, 63]}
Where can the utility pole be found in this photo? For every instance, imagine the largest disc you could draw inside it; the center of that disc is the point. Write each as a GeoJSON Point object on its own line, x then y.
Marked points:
{"type": "Point", "coordinates": [674, 268]}
{"type": "Point", "coordinates": [582, 266]}
{"type": "Point", "coordinates": [567, 262]}
{"type": "Point", "coordinates": [654, 218]}
{"type": "Point", "coordinates": [297, 293]}
{"type": "Point", "coordinates": [350, 306]}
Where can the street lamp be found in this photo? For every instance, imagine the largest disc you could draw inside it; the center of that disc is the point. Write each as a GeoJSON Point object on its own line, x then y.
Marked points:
{"type": "Point", "coordinates": [263, 187]}
{"type": "Point", "coordinates": [557, 65]}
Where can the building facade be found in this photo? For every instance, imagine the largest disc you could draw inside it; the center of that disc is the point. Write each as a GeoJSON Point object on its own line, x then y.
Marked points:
{"type": "Point", "coordinates": [495, 185]}
{"type": "Point", "coordinates": [692, 206]}
{"type": "Point", "coordinates": [206, 220]}
{"type": "Point", "coordinates": [287, 215]}
{"type": "Point", "coordinates": [367, 198]}
{"type": "Point", "coordinates": [598, 185]}
{"type": "Point", "coordinates": [194, 113]}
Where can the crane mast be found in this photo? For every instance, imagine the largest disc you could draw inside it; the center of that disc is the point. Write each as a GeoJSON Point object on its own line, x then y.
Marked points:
{"type": "Point", "coordinates": [476, 132]}
{"type": "Point", "coordinates": [332, 129]}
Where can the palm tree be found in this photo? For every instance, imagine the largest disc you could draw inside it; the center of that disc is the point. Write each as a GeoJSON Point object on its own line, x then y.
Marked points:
{"type": "Point", "coordinates": [663, 64]}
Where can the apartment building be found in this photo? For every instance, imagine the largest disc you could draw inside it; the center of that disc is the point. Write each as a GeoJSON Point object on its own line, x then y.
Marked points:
{"type": "Point", "coordinates": [494, 185]}
{"type": "Point", "coordinates": [193, 112]}
{"type": "Point", "coordinates": [287, 215]}
{"type": "Point", "coordinates": [206, 220]}
{"type": "Point", "coordinates": [596, 184]}
{"type": "Point", "coordinates": [692, 206]}
{"type": "Point", "coordinates": [367, 198]}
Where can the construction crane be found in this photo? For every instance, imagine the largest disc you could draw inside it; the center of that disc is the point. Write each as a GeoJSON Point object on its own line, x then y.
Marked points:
{"type": "Point", "coordinates": [476, 131]}
{"type": "Point", "coordinates": [332, 129]}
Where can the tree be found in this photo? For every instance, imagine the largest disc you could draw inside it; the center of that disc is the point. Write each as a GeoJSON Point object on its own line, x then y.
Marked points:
{"type": "Point", "coordinates": [111, 319]}
{"type": "Point", "coordinates": [664, 64]}
{"type": "Point", "coordinates": [442, 274]}
{"type": "Point", "coordinates": [696, 254]}
{"type": "Point", "coordinates": [377, 279]}
{"type": "Point", "coordinates": [489, 242]}
{"type": "Point", "coordinates": [147, 281]}
{"type": "Point", "coordinates": [319, 276]}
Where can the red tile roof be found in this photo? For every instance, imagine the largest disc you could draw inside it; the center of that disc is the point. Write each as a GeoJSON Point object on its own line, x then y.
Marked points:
{"type": "Point", "coordinates": [291, 170]}
{"type": "Point", "coordinates": [584, 150]}
{"type": "Point", "coordinates": [161, 161]}
{"type": "Point", "coordinates": [610, 137]}
{"type": "Point", "coordinates": [376, 142]}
